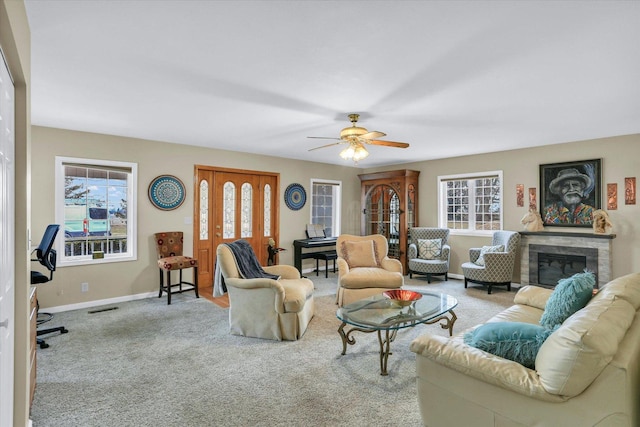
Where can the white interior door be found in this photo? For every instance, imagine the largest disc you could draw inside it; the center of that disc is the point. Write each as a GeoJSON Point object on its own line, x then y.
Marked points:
{"type": "Point", "coordinates": [7, 277]}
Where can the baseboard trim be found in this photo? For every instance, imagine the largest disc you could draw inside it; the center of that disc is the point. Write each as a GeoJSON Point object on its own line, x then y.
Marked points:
{"type": "Point", "coordinates": [96, 303]}
{"type": "Point", "coordinates": [518, 285]}
{"type": "Point", "coordinates": [116, 300]}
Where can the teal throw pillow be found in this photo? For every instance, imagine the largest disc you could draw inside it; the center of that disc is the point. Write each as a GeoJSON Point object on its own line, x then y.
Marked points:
{"type": "Point", "coordinates": [429, 248]}
{"type": "Point", "coordinates": [487, 249]}
{"type": "Point", "coordinates": [570, 295]}
{"type": "Point", "coordinates": [517, 341]}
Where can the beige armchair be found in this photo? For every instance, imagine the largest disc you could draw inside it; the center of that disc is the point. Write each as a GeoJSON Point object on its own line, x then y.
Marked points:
{"type": "Point", "coordinates": [364, 269]}
{"type": "Point", "coordinates": [266, 308]}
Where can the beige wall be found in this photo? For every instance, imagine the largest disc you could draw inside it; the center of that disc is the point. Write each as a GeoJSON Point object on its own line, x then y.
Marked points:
{"type": "Point", "coordinates": [620, 160]}
{"type": "Point", "coordinates": [156, 158]}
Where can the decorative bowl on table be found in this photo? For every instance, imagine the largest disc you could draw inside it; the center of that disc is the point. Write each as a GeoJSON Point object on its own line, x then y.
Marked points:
{"type": "Point", "coordinates": [402, 297]}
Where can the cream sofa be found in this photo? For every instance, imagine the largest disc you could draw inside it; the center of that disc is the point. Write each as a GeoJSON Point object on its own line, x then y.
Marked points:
{"type": "Point", "coordinates": [587, 372]}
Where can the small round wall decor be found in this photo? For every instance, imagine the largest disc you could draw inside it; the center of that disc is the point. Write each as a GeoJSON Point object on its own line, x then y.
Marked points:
{"type": "Point", "coordinates": [295, 197]}
{"type": "Point", "coordinates": [166, 192]}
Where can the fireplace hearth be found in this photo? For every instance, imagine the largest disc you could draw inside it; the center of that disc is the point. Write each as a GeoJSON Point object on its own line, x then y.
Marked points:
{"type": "Point", "coordinates": [550, 256]}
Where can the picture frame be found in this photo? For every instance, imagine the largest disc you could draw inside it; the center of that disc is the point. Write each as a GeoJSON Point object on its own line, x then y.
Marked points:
{"type": "Point", "coordinates": [630, 190]}
{"type": "Point", "coordinates": [533, 199]}
{"type": "Point", "coordinates": [612, 196]}
{"type": "Point", "coordinates": [570, 192]}
{"type": "Point", "coordinates": [520, 195]}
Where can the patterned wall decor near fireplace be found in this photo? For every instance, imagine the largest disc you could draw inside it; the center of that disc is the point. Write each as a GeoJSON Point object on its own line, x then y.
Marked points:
{"type": "Point", "coordinates": [550, 256]}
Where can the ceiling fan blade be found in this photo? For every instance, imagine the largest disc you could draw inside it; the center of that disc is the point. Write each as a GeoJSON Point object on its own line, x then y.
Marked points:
{"type": "Point", "coordinates": [373, 134]}
{"type": "Point", "coordinates": [388, 143]}
{"type": "Point", "coordinates": [324, 137]}
{"type": "Point", "coordinates": [325, 146]}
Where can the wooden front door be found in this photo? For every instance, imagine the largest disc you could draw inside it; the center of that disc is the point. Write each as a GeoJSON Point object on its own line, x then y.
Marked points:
{"type": "Point", "coordinates": [233, 204]}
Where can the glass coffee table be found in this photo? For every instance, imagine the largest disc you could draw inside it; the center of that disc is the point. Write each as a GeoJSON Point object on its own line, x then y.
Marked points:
{"type": "Point", "coordinates": [385, 316]}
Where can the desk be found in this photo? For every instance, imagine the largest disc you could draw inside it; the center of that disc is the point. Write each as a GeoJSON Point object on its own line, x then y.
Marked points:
{"type": "Point", "coordinates": [316, 243]}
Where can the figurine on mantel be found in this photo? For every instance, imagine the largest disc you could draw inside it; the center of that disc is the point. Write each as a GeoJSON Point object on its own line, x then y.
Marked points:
{"type": "Point", "coordinates": [601, 222]}
{"type": "Point", "coordinates": [532, 221]}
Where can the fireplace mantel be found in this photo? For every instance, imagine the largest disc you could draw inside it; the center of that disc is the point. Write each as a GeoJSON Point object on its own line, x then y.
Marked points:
{"type": "Point", "coordinates": [571, 242]}
{"type": "Point", "coordinates": [568, 234]}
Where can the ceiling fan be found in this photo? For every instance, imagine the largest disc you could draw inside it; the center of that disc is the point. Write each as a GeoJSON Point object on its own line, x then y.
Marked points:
{"type": "Point", "coordinates": [356, 137]}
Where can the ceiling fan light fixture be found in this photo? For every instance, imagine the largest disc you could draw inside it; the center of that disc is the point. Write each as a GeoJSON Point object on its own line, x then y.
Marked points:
{"type": "Point", "coordinates": [356, 137]}
{"type": "Point", "coordinates": [355, 151]}
{"type": "Point", "coordinates": [360, 153]}
{"type": "Point", "coordinates": [348, 152]}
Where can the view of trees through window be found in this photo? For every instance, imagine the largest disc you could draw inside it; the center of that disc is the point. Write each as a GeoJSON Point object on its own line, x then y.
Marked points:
{"type": "Point", "coordinates": [473, 203]}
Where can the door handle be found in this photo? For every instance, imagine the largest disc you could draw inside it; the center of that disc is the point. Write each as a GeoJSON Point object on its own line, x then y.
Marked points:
{"type": "Point", "coordinates": [4, 323]}
{"type": "Point", "coordinates": [218, 234]}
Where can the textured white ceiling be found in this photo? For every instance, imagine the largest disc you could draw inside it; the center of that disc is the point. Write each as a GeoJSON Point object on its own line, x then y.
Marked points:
{"type": "Point", "coordinates": [449, 77]}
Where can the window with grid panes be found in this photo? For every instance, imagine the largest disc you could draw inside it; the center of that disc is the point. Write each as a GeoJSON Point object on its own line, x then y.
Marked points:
{"type": "Point", "coordinates": [471, 202]}
{"type": "Point", "coordinates": [325, 205]}
{"type": "Point", "coordinates": [96, 209]}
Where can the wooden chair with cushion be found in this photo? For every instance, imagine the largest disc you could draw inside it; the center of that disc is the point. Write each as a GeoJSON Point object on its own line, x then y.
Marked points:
{"type": "Point", "coordinates": [170, 258]}
{"type": "Point", "coordinates": [364, 269]}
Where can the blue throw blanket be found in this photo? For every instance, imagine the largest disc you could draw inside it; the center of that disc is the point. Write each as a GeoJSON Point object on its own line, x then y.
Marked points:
{"type": "Point", "coordinates": [247, 261]}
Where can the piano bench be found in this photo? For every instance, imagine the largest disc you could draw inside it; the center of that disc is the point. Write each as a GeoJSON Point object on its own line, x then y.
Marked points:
{"type": "Point", "coordinates": [326, 256]}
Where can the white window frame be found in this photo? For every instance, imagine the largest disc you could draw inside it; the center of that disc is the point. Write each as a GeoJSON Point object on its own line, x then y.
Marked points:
{"type": "Point", "coordinates": [337, 203]}
{"type": "Point", "coordinates": [442, 202]}
{"type": "Point", "coordinates": [132, 217]}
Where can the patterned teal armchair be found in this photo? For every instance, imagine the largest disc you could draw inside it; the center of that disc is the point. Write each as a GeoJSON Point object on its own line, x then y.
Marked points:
{"type": "Point", "coordinates": [493, 265]}
{"type": "Point", "coordinates": [429, 252]}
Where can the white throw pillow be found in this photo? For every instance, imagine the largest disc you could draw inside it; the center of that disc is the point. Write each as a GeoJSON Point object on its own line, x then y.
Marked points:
{"type": "Point", "coordinates": [429, 248]}
{"type": "Point", "coordinates": [488, 249]}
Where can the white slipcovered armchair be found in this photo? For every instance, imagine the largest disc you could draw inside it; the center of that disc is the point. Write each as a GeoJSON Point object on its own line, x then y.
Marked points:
{"type": "Point", "coordinates": [429, 252]}
{"type": "Point", "coordinates": [364, 269]}
{"type": "Point", "coordinates": [266, 308]}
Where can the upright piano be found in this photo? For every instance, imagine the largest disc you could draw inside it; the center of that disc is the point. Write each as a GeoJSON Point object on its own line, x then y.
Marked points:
{"type": "Point", "coordinates": [315, 243]}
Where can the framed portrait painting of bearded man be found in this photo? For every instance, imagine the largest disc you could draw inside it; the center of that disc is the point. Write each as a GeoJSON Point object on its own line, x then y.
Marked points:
{"type": "Point", "coordinates": [570, 192]}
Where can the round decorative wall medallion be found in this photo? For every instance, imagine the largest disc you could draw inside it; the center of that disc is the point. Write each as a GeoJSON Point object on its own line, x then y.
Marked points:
{"type": "Point", "coordinates": [295, 197]}
{"type": "Point", "coordinates": [166, 192]}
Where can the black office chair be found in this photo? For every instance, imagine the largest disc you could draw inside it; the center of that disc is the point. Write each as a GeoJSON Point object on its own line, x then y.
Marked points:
{"type": "Point", "coordinates": [47, 256]}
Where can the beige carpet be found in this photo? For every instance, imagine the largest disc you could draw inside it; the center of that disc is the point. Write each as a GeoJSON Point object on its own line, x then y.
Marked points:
{"type": "Point", "coordinates": [149, 364]}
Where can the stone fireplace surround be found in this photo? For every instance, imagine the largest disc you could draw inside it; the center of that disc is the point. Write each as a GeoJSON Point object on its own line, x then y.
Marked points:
{"type": "Point", "coordinates": [566, 243]}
